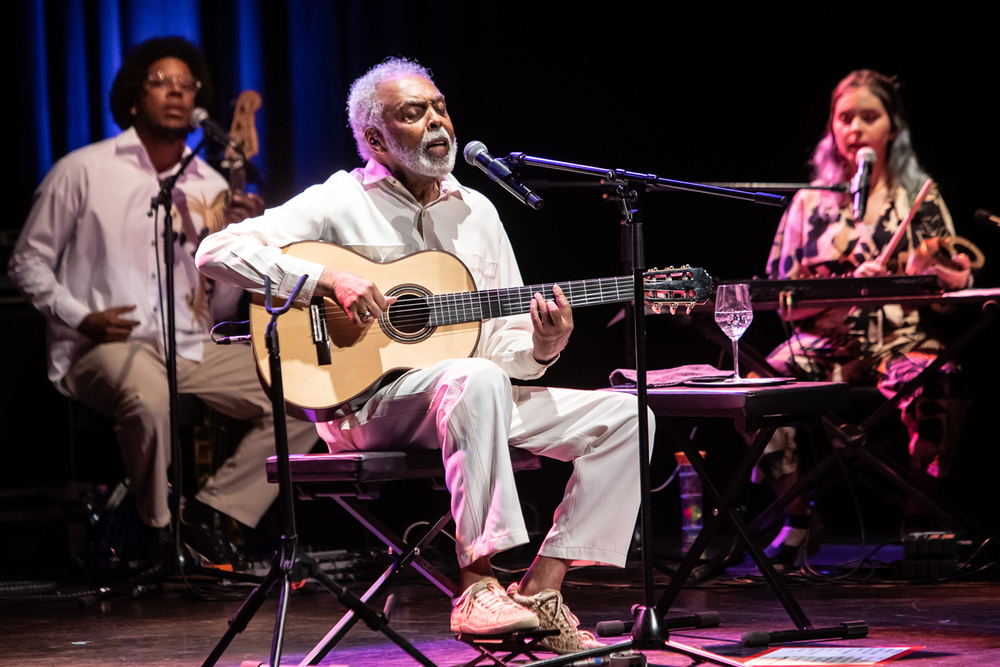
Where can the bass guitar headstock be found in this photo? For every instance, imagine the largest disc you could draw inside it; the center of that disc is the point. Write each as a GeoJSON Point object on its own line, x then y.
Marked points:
{"type": "Point", "coordinates": [243, 143]}
{"type": "Point", "coordinates": [673, 287]}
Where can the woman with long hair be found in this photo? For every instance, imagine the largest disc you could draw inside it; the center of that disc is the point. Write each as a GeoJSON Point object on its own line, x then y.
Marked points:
{"type": "Point", "coordinates": [819, 237]}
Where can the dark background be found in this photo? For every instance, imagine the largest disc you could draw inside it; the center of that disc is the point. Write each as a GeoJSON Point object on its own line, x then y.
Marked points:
{"type": "Point", "coordinates": [701, 95]}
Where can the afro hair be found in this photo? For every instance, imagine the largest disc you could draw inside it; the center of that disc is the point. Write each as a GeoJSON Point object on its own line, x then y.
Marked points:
{"type": "Point", "coordinates": [135, 69]}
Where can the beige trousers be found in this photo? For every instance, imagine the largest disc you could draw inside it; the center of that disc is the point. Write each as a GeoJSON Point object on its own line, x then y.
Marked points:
{"type": "Point", "coordinates": [128, 382]}
{"type": "Point", "coordinates": [468, 409]}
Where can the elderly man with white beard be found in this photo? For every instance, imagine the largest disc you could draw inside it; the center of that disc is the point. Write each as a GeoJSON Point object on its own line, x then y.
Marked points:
{"type": "Point", "coordinates": [405, 200]}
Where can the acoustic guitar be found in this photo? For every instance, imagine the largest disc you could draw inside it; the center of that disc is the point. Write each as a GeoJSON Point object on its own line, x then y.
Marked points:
{"type": "Point", "coordinates": [328, 361]}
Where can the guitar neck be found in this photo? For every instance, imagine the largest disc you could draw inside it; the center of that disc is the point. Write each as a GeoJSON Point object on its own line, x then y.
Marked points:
{"type": "Point", "coordinates": [237, 178]}
{"type": "Point", "coordinates": [486, 304]}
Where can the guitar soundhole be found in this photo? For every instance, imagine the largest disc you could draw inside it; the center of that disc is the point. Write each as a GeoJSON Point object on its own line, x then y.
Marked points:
{"type": "Point", "coordinates": [408, 320]}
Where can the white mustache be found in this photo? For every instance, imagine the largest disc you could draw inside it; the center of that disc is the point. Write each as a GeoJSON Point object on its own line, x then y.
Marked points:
{"type": "Point", "coordinates": [435, 135]}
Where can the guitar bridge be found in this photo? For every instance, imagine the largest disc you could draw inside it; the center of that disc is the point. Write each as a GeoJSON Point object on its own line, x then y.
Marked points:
{"type": "Point", "coordinates": [320, 335]}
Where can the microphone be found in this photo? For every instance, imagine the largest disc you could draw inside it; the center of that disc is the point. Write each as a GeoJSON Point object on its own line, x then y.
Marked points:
{"type": "Point", "coordinates": [212, 130]}
{"type": "Point", "coordinates": [984, 216]}
{"type": "Point", "coordinates": [862, 182]}
{"type": "Point", "coordinates": [476, 154]}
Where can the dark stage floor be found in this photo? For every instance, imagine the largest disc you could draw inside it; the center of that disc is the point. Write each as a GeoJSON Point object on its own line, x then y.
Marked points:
{"type": "Point", "coordinates": [956, 622]}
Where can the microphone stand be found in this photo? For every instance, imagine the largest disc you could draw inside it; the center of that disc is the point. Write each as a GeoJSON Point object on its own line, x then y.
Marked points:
{"type": "Point", "coordinates": [649, 630]}
{"type": "Point", "coordinates": [291, 563]}
{"type": "Point", "coordinates": [165, 198]}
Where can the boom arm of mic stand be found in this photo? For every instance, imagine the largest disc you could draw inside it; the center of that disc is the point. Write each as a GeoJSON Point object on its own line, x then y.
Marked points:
{"type": "Point", "coordinates": [652, 181]}
{"type": "Point", "coordinates": [782, 187]}
{"type": "Point", "coordinates": [656, 183]}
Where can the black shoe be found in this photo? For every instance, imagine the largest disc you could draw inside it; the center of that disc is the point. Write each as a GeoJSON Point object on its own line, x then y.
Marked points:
{"type": "Point", "coordinates": [214, 536]}
{"type": "Point", "coordinates": [156, 545]}
{"type": "Point", "coordinates": [785, 556]}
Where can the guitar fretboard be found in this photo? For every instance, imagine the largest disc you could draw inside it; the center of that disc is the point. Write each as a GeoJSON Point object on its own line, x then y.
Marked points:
{"type": "Point", "coordinates": [486, 304]}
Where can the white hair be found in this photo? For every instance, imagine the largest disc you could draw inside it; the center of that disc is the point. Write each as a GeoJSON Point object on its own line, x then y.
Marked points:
{"type": "Point", "coordinates": [364, 106]}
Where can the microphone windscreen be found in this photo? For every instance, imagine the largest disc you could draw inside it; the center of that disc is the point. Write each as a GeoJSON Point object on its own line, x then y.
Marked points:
{"type": "Point", "coordinates": [473, 149]}
{"type": "Point", "coordinates": [866, 154]}
{"type": "Point", "coordinates": [198, 116]}
{"type": "Point", "coordinates": [982, 215]}
{"type": "Point", "coordinates": [755, 638]}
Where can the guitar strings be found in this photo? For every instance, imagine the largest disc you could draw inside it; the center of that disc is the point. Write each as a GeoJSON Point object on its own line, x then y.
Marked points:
{"type": "Point", "coordinates": [470, 306]}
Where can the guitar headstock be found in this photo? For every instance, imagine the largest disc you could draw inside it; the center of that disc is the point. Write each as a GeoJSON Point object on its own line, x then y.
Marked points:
{"type": "Point", "coordinates": [243, 143]}
{"type": "Point", "coordinates": [673, 287]}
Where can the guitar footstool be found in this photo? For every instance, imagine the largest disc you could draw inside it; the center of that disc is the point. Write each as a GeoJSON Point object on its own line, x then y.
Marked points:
{"type": "Point", "coordinates": [515, 644]}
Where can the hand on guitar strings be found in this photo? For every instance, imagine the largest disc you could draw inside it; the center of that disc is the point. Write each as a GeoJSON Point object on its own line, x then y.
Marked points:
{"type": "Point", "coordinates": [359, 298]}
{"type": "Point", "coordinates": [552, 322]}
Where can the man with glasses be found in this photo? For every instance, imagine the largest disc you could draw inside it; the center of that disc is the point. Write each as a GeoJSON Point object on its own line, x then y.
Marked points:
{"type": "Point", "coordinates": [89, 258]}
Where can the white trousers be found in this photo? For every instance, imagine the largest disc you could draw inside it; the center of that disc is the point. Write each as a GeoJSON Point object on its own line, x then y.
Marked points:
{"type": "Point", "coordinates": [469, 410]}
{"type": "Point", "coordinates": [128, 382]}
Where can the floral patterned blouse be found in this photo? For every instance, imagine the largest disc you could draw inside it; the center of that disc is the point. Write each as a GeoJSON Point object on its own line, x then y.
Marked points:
{"type": "Point", "coordinates": [818, 238]}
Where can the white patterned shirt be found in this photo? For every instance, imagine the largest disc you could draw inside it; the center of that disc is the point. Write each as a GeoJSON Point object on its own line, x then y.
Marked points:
{"type": "Point", "coordinates": [88, 245]}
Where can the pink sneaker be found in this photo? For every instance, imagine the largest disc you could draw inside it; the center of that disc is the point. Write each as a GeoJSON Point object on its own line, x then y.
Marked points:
{"type": "Point", "coordinates": [554, 615]}
{"type": "Point", "coordinates": [484, 609]}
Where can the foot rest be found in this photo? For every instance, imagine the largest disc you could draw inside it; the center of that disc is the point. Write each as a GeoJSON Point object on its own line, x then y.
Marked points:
{"type": "Point", "coordinates": [515, 644]}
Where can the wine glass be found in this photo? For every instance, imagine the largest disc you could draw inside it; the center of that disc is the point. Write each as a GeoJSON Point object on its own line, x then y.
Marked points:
{"type": "Point", "coordinates": [733, 314]}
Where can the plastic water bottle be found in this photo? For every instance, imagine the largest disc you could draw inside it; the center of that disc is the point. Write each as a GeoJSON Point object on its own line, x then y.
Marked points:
{"type": "Point", "coordinates": [690, 499]}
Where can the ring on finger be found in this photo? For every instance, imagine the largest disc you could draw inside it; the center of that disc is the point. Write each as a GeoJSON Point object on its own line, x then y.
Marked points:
{"type": "Point", "coordinates": [365, 316]}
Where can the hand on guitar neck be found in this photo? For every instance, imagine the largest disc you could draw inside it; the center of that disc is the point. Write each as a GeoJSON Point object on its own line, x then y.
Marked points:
{"type": "Point", "coordinates": [552, 323]}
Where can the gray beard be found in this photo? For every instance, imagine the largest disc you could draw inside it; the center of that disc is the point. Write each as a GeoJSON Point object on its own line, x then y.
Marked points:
{"type": "Point", "coordinates": [422, 162]}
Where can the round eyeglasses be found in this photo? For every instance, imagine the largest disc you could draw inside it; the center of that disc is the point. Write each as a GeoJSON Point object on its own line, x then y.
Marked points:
{"type": "Point", "coordinates": [160, 81]}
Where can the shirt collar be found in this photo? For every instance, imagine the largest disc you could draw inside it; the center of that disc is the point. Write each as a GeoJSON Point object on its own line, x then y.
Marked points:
{"type": "Point", "coordinates": [374, 171]}
{"type": "Point", "coordinates": [129, 142]}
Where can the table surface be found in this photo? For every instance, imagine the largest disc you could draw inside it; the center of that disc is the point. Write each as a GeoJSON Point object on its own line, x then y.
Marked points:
{"type": "Point", "coordinates": [747, 402]}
